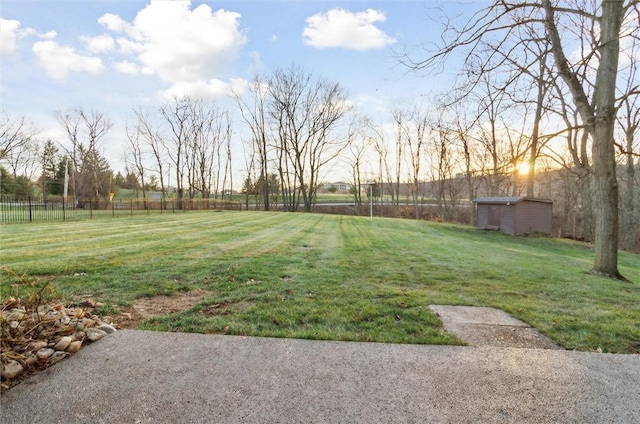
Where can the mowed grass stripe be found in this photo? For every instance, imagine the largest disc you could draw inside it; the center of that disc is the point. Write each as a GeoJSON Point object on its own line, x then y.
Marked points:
{"type": "Point", "coordinates": [326, 276]}
{"type": "Point", "coordinates": [134, 241]}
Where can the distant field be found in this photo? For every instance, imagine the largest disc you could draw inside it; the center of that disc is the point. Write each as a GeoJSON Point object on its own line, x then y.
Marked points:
{"type": "Point", "coordinates": [326, 276]}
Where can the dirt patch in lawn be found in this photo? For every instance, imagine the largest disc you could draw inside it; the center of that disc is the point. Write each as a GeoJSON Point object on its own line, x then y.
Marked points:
{"type": "Point", "coordinates": [220, 309]}
{"type": "Point", "coordinates": [147, 307]}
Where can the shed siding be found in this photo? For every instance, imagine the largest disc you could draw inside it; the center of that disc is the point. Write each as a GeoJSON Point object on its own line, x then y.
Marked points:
{"type": "Point", "coordinates": [508, 219]}
{"type": "Point", "coordinates": [533, 217]}
{"type": "Point", "coordinates": [482, 217]}
{"type": "Point", "coordinates": [494, 216]}
{"type": "Point", "coordinates": [516, 216]}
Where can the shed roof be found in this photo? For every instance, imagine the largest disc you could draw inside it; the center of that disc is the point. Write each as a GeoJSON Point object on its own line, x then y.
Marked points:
{"type": "Point", "coordinates": [508, 200]}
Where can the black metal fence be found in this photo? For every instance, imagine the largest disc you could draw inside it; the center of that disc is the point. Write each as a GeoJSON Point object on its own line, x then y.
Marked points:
{"type": "Point", "coordinates": [14, 210]}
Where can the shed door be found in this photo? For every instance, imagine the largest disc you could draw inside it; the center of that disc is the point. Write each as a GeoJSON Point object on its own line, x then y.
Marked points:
{"type": "Point", "coordinates": [494, 216]}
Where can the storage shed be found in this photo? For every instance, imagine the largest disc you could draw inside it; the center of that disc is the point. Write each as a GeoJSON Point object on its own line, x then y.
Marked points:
{"type": "Point", "coordinates": [514, 215]}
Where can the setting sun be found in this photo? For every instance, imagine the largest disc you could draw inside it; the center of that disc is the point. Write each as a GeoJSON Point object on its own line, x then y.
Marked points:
{"type": "Point", "coordinates": [522, 168]}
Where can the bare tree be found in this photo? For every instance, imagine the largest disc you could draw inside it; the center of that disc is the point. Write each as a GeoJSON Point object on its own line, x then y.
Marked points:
{"type": "Point", "coordinates": [254, 114]}
{"type": "Point", "coordinates": [25, 160]}
{"type": "Point", "coordinates": [15, 134]}
{"type": "Point", "coordinates": [445, 163]}
{"type": "Point", "coordinates": [599, 118]}
{"type": "Point", "coordinates": [416, 129]}
{"type": "Point", "coordinates": [455, 120]}
{"type": "Point", "coordinates": [176, 116]}
{"type": "Point", "coordinates": [86, 131]}
{"type": "Point", "coordinates": [379, 143]}
{"type": "Point", "coordinates": [18, 146]}
{"type": "Point", "coordinates": [150, 135]}
{"type": "Point", "coordinates": [524, 63]}
{"type": "Point", "coordinates": [249, 184]}
{"type": "Point", "coordinates": [578, 146]}
{"type": "Point", "coordinates": [305, 112]}
{"type": "Point", "coordinates": [192, 138]}
{"type": "Point", "coordinates": [596, 113]}
{"type": "Point", "coordinates": [209, 131]}
{"type": "Point", "coordinates": [136, 158]}
{"type": "Point", "coordinates": [228, 174]}
{"type": "Point", "coordinates": [359, 145]}
{"type": "Point", "coordinates": [492, 104]}
{"type": "Point", "coordinates": [629, 147]}
{"type": "Point", "coordinates": [542, 88]}
{"type": "Point", "coordinates": [400, 142]}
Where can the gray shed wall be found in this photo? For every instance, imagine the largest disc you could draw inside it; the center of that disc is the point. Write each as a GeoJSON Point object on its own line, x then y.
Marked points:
{"type": "Point", "coordinates": [525, 217]}
{"type": "Point", "coordinates": [533, 217]}
{"type": "Point", "coordinates": [508, 219]}
{"type": "Point", "coordinates": [496, 217]}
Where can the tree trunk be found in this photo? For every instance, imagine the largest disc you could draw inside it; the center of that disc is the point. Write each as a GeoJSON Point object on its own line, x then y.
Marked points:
{"type": "Point", "coordinates": [535, 133]}
{"type": "Point", "coordinates": [586, 203]}
{"type": "Point", "coordinates": [604, 161]}
{"type": "Point", "coordinates": [599, 119]}
{"type": "Point", "coordinates": [629, 230]}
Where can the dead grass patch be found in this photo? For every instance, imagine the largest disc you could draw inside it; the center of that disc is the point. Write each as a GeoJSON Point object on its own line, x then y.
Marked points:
{"type": "Point", "coordinates": [147, 307]}
{"type": "Point", "coordinates": [220, 309]}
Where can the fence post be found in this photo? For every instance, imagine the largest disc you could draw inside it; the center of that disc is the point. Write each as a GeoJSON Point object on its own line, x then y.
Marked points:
{"type": "Point", "coordinates": [30, 212]}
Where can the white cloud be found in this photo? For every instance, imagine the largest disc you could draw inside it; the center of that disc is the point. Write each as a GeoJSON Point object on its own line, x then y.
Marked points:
{"type": "Point", "coordinates": [49, 35]}
{"type": "Point", "coordinates": [30, 32]}
{"type": "Point", "coordinates": [212, 88]}
{"type": "Point", "coordinates": [182, 46]}
{"type": "Point", "coordinates": [113, 22]}
{"type": "Point", "coordinates": [127, 67]}
{"type": "Point", "coordinates": [99, 44]}
{"type": "Point", "coordinates": [8, 35]}
{"type": "Point", "coordinates": [126, 46]}
{"type": "Point", "coordinates": [341, 28]}
{"type": "Point", "coordinates": [58, 60]}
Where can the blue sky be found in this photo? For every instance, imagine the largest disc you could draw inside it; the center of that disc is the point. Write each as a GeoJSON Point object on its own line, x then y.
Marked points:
{"type": "Point", "coordinates": [112, 56]}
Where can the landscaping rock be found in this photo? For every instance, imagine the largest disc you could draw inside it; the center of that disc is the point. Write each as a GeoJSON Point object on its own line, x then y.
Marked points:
{"type": "Point", "coordinates": [11, 369]}
{"type": "Point", "coordinates": [37, 336]}
{"type": "Point", "coordinates": [94, 334]}
{"type": "Point", "coordinates": [57, 357]}
{"type": "Point", "coordinates": [74, 346]}
{"type": "Point", "coordinates": [106, 328]}
{"type": "Point", "coordinates": [30, 360]}
{"type": "Point", "coordinates": [63, 343]}
{"type": "Point", "coordinates": [45, 353]}
{"type": "Point", "coordinates": [36, 345]}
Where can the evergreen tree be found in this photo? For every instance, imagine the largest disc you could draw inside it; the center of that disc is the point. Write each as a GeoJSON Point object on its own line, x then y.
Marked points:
{"type": "Point", "coordinates": [48, 178]}
{"type": "Point", "coordinates": [119, 181]}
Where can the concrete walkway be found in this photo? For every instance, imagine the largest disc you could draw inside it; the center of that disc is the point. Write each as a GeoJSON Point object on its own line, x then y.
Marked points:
{"type": "Point", "coordinates": [481, 326]}
{"type": "Point", "coordinates": [153, 377]}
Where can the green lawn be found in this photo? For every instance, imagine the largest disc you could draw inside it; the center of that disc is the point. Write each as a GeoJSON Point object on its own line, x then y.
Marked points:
{"type": "Point", "coordinates": [327, 276]}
